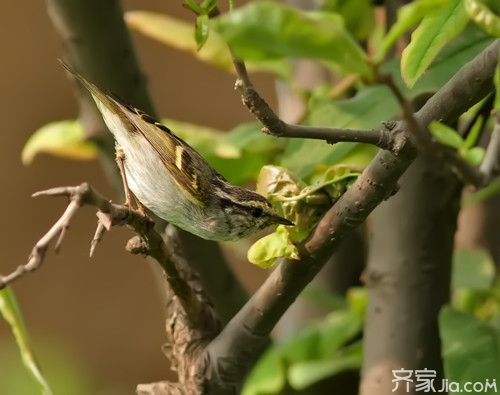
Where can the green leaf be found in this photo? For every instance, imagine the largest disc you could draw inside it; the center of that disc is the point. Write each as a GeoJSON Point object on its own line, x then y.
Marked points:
{"type": "Point", "coordinates": [474, 134]}
{"type": "Point", "coordinates": [304, 374]}
{"type": "Point", "coordinates": [265, 252]}
{"type": "Point", "coordinates": [366, 110]}
{"type": "Point", "coordinates": [357, 298]}
{"type": "Point", "coordinates": [10, 312]}
{"type": "Point", "coordinates": [473, 269]}
{"type": "Point", "coordinates": [194, 6]}
{"type": "Point", "coordinates": [267, 30]}
{"type": "Point", "coordinates": [483, 16]}
{"type": "Point", "coordinates": [320, 296]}
{"type": "Point", "coordinates": [209, 5]}
{"type": "Point", "coordinates": [434, 32]}
{"type": "Point", "coordinates": [201, 31]}
{"type": "Point", "coordinates": [358, 15]}
{"type": "Point", "coordinates": [408, 15]}
{"type": "Point", "coordinates": [470, 349]}
{"type": "Point", "coordinates": [178, 34]}
{"type": "Point", "coordinates": [454, 55]}
{"type": "Point", "coordinates": [474, 155]}
{"type": "Point", "coordinates": [303, 156]}
{"type": "Point", "coordinates": [446, 135]}
{"type": "Point", "coordinates": [62, 138]}
{"type": "Point", "coordinates": [314, 346]}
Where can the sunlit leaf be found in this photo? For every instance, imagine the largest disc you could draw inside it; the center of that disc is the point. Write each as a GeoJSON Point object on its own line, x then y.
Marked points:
{"type": "Point", "coordinates": [266, 30]}
{"type": "Point", "coordinates": [194, 6]}
{"type": "Point", "coordinates": [408, 16]}
{"type": "Point", "coordinates": [474, 155]}
{"type": "Point", "coordinates": [178, 34]}
{"type": "Point", "coordinates": [265, 251]}
{"type": "Point", "coordinates": [454, 55]}
{"type": "Point", "coordinates": [10, 312]}
{"type": "Point", "coordinates": [474, 134]}
{"type": "Point", "coordinates": [434, 32]}
{"type": "Point", "coordinates": [483, 16]}
{"type": "Point", "coordinates": [446, 135]}
{"type": "Point", "coordinates": [62, 138]}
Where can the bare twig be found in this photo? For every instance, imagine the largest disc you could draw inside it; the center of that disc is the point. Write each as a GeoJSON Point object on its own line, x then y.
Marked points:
{"type": "Point", "coordinates": [381, 138]}
{"type": "Point", "coordinates": [273, 125]}
{"type": "Point", "coordinates": [55, 232]}
{"type": "Point", "coordinates": [424, 142]}
{"type": "Point", "coordinates": [110, 214]}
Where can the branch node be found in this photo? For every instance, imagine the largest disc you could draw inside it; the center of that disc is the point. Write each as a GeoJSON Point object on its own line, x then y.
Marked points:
{"type": "Point", "coordinates": [137, 246]}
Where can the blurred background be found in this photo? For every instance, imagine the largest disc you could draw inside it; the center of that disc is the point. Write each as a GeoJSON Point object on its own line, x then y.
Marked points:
{"type": "Point", "coordinates": [94, 322]}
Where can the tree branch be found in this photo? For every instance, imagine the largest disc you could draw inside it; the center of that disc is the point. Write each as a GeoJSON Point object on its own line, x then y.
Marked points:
{"type": "Point", "coordinates": [242, 338]}
{"type": "Point", "coordinates": [424, 141]}
{"type": "Point", "coordinates": [274, 126]}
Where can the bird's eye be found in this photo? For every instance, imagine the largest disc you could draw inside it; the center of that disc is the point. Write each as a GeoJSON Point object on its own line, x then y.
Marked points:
{"type": "Point", "coordinates": [256, 212]}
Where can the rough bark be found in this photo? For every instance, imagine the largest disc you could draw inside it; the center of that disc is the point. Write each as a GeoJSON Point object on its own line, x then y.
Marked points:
{"type": "Point", "coordinates": [408, 275]}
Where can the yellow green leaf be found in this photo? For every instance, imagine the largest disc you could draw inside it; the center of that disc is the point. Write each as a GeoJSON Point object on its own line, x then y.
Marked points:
{"type": "Point", "coordinates": [264, 252]}
{"type": "Point", "coordinates": [178, 34]}
{"type": "Point", "coordinates": [10, 312]}
{"type": "Point", "coordinates": [484, 17]}
{"type": "Point", "coordinates": [436, 30]}
{"type": "Point", "coordinates": [61, 138]}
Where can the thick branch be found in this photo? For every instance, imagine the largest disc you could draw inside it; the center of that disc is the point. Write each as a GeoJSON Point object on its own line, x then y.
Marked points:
{"type": "Point", "coordinates": [241, 339]}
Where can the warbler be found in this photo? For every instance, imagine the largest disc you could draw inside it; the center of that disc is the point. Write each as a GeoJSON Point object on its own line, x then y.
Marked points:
{"type": "Point", "coordinates": [174, 181]}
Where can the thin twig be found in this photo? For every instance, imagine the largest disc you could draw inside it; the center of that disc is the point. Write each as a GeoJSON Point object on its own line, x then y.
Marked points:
{"type": "Point", "coordinates": [273, 125]}
{"type": "Point", "coordinates": [381, 138]}
{"type": "Point", "coordinates": [109, 214]}
{"type": "Point", "coordinates": [55, 232]}
{"type": "Point", "coordinates": [424, 142]}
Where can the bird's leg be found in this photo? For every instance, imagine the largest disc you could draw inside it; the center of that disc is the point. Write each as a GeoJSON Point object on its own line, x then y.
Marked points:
{"type": "Point", "coordinates": [120, 160]}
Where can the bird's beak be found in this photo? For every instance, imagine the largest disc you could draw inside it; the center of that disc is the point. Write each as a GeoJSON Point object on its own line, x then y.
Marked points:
{"type": "Point", "coordinates": [281, 221]}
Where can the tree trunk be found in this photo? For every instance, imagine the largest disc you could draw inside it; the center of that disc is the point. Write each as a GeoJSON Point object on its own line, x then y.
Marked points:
{"type": "Point", "coordinates": [408, 276]}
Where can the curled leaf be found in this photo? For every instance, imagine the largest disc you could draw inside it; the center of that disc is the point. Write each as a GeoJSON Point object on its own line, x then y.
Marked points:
{"type": "Point", "coordinates": [301, 203]}
{"type": "Point", "coordinates": [264, 252]}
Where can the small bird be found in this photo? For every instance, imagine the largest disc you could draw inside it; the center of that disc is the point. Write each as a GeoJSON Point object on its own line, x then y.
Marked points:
{"type": "Point", "coordinates": [175, 182]}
